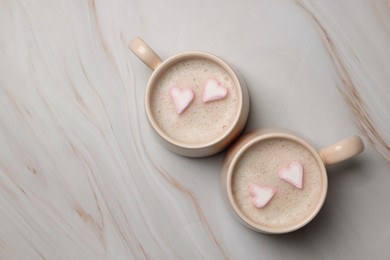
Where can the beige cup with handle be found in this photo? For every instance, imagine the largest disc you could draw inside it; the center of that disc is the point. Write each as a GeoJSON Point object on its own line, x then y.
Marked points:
{"type": "Point", "coordinates": [258, 156]}
{"type": "Point", "coordinates": [201, 129]}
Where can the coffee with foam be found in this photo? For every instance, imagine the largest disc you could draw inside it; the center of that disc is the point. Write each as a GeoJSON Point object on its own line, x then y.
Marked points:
{"type": "Point", "coordinates": [201, 122]}
{"type": "Point", "coordinates": [260, 164]}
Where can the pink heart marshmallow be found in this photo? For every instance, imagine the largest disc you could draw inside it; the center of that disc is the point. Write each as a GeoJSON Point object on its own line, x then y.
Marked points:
{"type": "Point", "coordinates": [182, 98]}
{"type": "Point", "coordinates": [293, 174]}
{"type": "Point", "coordinates": [213, 90]}
{"type": "Point", "coordinates": [261, 194]}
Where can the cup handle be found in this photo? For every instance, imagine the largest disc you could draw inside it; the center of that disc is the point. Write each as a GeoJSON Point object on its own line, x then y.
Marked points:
{"type": "Point", "coordinates": [145, 53]}
{"type": "Point", "coordinates": [342, 150]}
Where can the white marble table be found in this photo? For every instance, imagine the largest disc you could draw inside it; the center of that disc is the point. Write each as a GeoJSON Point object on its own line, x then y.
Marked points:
{"type": "Point", "coordinates": [81, 174]}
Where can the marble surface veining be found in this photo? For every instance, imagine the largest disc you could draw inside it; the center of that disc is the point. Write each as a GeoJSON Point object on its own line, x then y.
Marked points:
{"type": "Point", "coordinates": [81, 173]}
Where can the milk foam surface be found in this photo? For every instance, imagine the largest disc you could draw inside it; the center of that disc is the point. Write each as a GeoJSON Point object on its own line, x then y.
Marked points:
{"type": "Point", "coordinates": [260, 164]}
{"type": "Point", "coordinates": [201, 122]}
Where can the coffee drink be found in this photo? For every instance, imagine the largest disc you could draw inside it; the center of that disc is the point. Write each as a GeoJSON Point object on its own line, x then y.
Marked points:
{"type": "Point", "coordinates": [194, 101]}
{"type": "Point", "coordinates": [260, 164]}
{"type": "Point", "coordinates": [201, 122]}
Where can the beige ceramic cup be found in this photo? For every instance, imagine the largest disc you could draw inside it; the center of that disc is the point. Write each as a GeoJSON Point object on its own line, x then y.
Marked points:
{"type": "Point", "coordinates": [152, 60]}
{"type": "Point", "coordinates": [340, 151]}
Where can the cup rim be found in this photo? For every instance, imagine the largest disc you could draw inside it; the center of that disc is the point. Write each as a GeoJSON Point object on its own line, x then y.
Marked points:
{"type": "Point", "coordinates": [276, 230]}
{"type": "Point", "coordinates": [187, 55]}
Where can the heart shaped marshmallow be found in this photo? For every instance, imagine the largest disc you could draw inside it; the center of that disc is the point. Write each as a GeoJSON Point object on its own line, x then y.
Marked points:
{"type": "Point", "coordinates": [181, 97]}
{"type": "Point", "coordinates": [293, 174]}
{"type": "Point", "coordinates": [213, 90]}
{"type": "Point", "coordinates": [261, 194]}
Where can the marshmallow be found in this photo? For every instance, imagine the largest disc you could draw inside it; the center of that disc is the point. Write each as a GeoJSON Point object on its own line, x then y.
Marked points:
{"type": "Point", "coordinates": [293, 174]}
{"type": "Point", "coordinates": [182, 98]}
{"type": "Point", "coordinates": [213, 90]}
{"type": "Point", "coordinates": [261, 194]}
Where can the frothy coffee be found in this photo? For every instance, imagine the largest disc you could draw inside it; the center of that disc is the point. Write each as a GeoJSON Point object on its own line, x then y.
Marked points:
{"type": "Point", "coordinates": [260, 164]}
{"type": "Point", "coordinates": [201, 122]}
